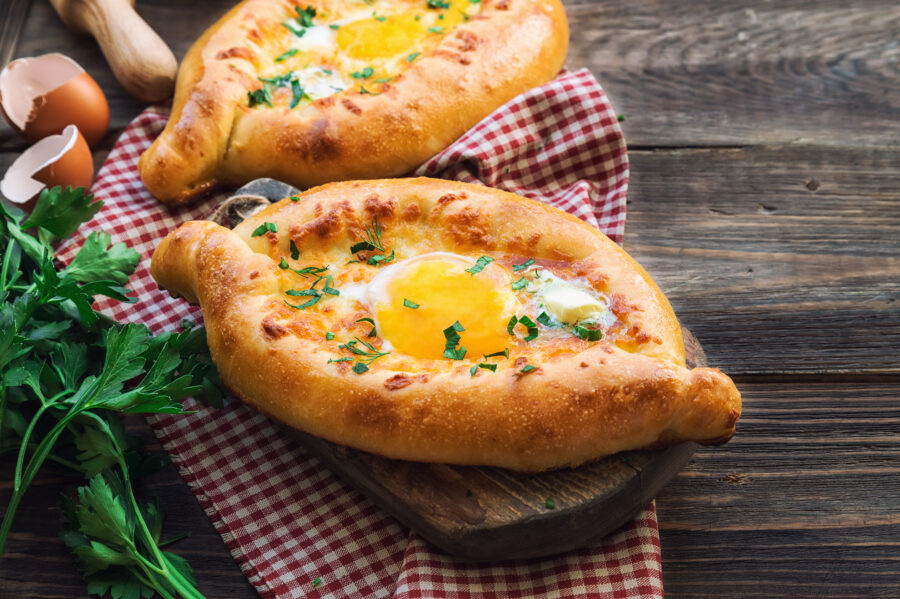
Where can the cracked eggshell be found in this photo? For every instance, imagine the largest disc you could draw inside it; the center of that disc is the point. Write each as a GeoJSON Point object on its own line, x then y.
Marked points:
{"type": "Point", "coordinates": [63, 160]}
{"type": "Point", "coordinates": [39, 96]}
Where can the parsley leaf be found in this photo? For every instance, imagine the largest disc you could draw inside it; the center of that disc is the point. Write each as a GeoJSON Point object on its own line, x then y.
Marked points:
{"type": "Point", "coordinates": [479, 265]}
{"type": "Point", "coordinates": [62, 211]}
{"type": "Point", "coordinates": [451, 334]}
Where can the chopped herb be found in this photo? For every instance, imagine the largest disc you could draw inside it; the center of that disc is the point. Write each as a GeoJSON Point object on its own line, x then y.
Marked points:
{"type": "Point", "coordinates": [479, 265]}
{"type": "Point", "coordinates": [380, 19]}
{"type": "Point", "coordinates": [531, 326]}
{"type": "Point", "coordinates": [327, 71]}
{"type": "Point", "coordinates": [474, 1]}
{"type": "Point", "coordinates": [296, 93]}
{"type": "Point", "coordinates": [370, 321]}
{"type": "Point", "coordinates": [295, 253]}
{"type": "Point", "coordinates": [284, 56]}
{"type": "Point", "coordinates": [465, 16]}
{"type": "Point", "coordinates": [333, 361]}
{"type": "Point", "coordinates": [364, 74]}
{"type": "Point", "coordinates": [545, 319]}
{"type": "Point", "coordinates": [317, 581]}
{"type": "Point", "coordinates": [504, 353]}
{"type": "Point", "coordinates": [474, 369]}
{"type": "Point", "coordinates": [588, 334]}
{"type": "Point", "coordinates": [451, 334]}
{"type": "Point", "coordinates": [289, 25]}
{"type": "Point", "coordinates": [520, 284]}
{"type": "Point", "coordinates": [412, 56]}
{"type": "Point", "coordinates": [527, 368]}
{"type": "Point", "coordinates": [551, 505]}
{"type": "Point", "coordinates": [334, 26]}
{"type": "Point", "coordinates": [523, 265]}
{"type": "Point", "coordinates": [310, 270]}
{"type": "Point", "coordinates": [329, 335]}
{"type": "Point", "coordinates": [436, 29]}
{"type": "Point", "coordinates": [440, 17]}
{"type": "Point", "coordinates": [369, 355]}
{"type": "Point", "coordinates": [283, 265]}
{"type": "Point", "coordinates": [438, 4]}
{"type": "Point", "coordinates": [259, 96]}
{"type": "Point", "coordinates": [383, 80]}
{"type": "Point", "coordinates": [305, 15]}
{"type": "Point", "coordinates": [511, 324]}
{"type": "Point", "coordinates": [294, 199]}
{"type": "Point", "coordinates": [418, 17]}
{"type": "Point", "coordinates": [363, 90]}
{"type": "Point", "coordinates": [304, 305]}
{"type": "Point", "coordinates": [379, 258]}
{"type": "Point", "coordinates": [312, 291]}
{"type": "Point", "coordinates": [409, 304]}
{"type": "Point", "coordinates": [264, 228]}
{"type": "Point", "coordinates": [527, 323]}
{"type": "Point", "coordinates": [621, 118]}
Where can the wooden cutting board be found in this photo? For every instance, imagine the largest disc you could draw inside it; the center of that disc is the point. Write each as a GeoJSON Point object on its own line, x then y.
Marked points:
{"type": "Point", "coordinates": [482, 513]}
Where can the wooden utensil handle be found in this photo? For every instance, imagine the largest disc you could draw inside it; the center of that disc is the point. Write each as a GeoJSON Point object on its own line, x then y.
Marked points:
{"type": "Point", "coordinates": [139, 58]}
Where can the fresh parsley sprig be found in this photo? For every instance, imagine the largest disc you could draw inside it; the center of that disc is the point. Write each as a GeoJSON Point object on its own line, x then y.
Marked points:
{"type": "Point", "coordinates": [65, 371]}
{"type": "Point", "coordinates": [371, 243]}
{"type": "Point", "coordinates": [367, 355]}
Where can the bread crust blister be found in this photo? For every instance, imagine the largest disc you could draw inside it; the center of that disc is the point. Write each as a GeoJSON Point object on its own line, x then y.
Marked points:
{"type": "Point", "coordinates": [584, 400]}
{"type": "Point", "coordinates": [213, 137]}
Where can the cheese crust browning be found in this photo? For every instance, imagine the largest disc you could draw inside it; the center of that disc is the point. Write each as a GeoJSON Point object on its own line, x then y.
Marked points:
{"type": "Point", "coordinates": [386, 121]}
{"type": "Point", "coordinates": [582, 400]}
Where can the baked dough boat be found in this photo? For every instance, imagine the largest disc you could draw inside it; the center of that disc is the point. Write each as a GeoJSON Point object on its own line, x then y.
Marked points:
{"type": "Point", "coordinates": [436, 321]}
{"type": "Point", "coordinates": [343, 89]}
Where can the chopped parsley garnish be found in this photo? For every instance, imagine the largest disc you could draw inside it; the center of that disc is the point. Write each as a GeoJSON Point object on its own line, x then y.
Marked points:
{"type": "Point", "coordinates": [551, 505]}
{"type": "Point", "coordinates": [621, 118]}
{"type": "Point", "coordinates": [264, 228]}
{"type": "Point", "coordinates": [451, 334]}
{"type": "Point", "coordinates": [545, 319]}
{"type": "Point", "coordinates": [310, 270]}
{"type": "Point", "coordinates": [474, 1]}
{"type": "Point", "coordinates": [296, 93]}
{"type": "Point", "coordinates": [409, 304]}
{"type": "Point", "coordinates": [363, 74]}
{"type": "Point", "coordinates": [479, 265]}
{"type": "Point", "coordinates": [523, 265]}
{"type": "Point", "coordinates": [283, 265]}
{"type": "Point", "coordinates": [587, 334]}
{"type": "Point", "coordinates": [438, 4]}
{"type": "Point", "coordinates": [305, 15]}
{"type": "Point", "coordinates": [367, 356]}
{"type": "Point", "coordinates": [527, 323]}
{"type": "Point", "coordinates": [383, 80]}
{"type": "Point", "coordinates": [363, 90]}
{"type": "Point", "coordinates": [317, 581]}
{"type": "Point", "coordinates": [295, 253]}
{"type": "Point", "coordinates": [334, 26]}
{"type": "Point", "coordinates": [436, 29]}
{"type": "Point", "coordinates": [294, 199]}
{"type": "Point", "coordinates": [290, 26]}
{"type": "Point", "coordinates": [377, 18]}
{"type": "Point", "coordinates": [312, 292]}
{"type": "Point", "coordinates": [474, 369]}
{"type": "Point", "coordinates": [260, 96]}
{"type": "Point", "coordinates": [520, 284]}
{"type": "Point", "coordinates": [412, 56]}
{"type": "Point", "coordinates": [370, 321]}
{"type": "Point", "coordinates": [372, 243]}
{"type": "Point", "coordinates": [333, 361]}
{"type": "Point", "coordinates": [284, 56]}
{"type": "Point", "coordinates": [527, 368]}
{"type": "Point", "coordinates": [329, 335]}
{"type": "Point", "coordinates": [504, 353]}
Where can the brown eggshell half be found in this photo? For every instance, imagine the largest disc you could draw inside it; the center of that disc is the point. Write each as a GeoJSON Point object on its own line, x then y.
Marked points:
{"type": "Point", "coordinates": [63, 160]}
{"type": "Point", "coordinates": [40, 96]}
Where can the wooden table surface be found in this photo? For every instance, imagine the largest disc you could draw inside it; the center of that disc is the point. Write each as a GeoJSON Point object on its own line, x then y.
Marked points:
{"type": "Point", "coordinates": [765, 200]}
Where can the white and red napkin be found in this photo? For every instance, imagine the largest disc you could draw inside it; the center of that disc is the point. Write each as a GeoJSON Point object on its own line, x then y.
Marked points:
{"type": "Point", "coordinates": [293, 527]}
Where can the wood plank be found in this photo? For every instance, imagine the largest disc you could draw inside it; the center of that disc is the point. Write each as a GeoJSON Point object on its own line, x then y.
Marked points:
{"type": "Point", "coordinates": [732, 72]}
{"type": "Point", "coordinates": [804, 501]}
{"type": "Point", "coordinates": [773, 255]}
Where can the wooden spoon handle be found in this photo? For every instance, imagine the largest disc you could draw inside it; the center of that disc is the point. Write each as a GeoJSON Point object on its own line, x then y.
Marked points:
{"type": "Point", "coordinates": [139, 58]}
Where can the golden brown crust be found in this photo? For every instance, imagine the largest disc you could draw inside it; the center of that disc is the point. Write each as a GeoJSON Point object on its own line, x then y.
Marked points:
{"type": "Point", "coordinates": [212, 137]}
{"type": "Point", "coordinates": [584, 400]}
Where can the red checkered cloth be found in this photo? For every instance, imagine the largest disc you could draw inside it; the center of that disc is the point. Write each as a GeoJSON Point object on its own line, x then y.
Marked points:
{"type": "Point", "coordinates": [288, 520]}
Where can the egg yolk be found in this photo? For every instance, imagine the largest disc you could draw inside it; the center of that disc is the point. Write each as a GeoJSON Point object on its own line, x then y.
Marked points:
{"type": "Point", "coordinates": [446, 293]}
{"type": "Point", "coordinates": [367, 39]}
